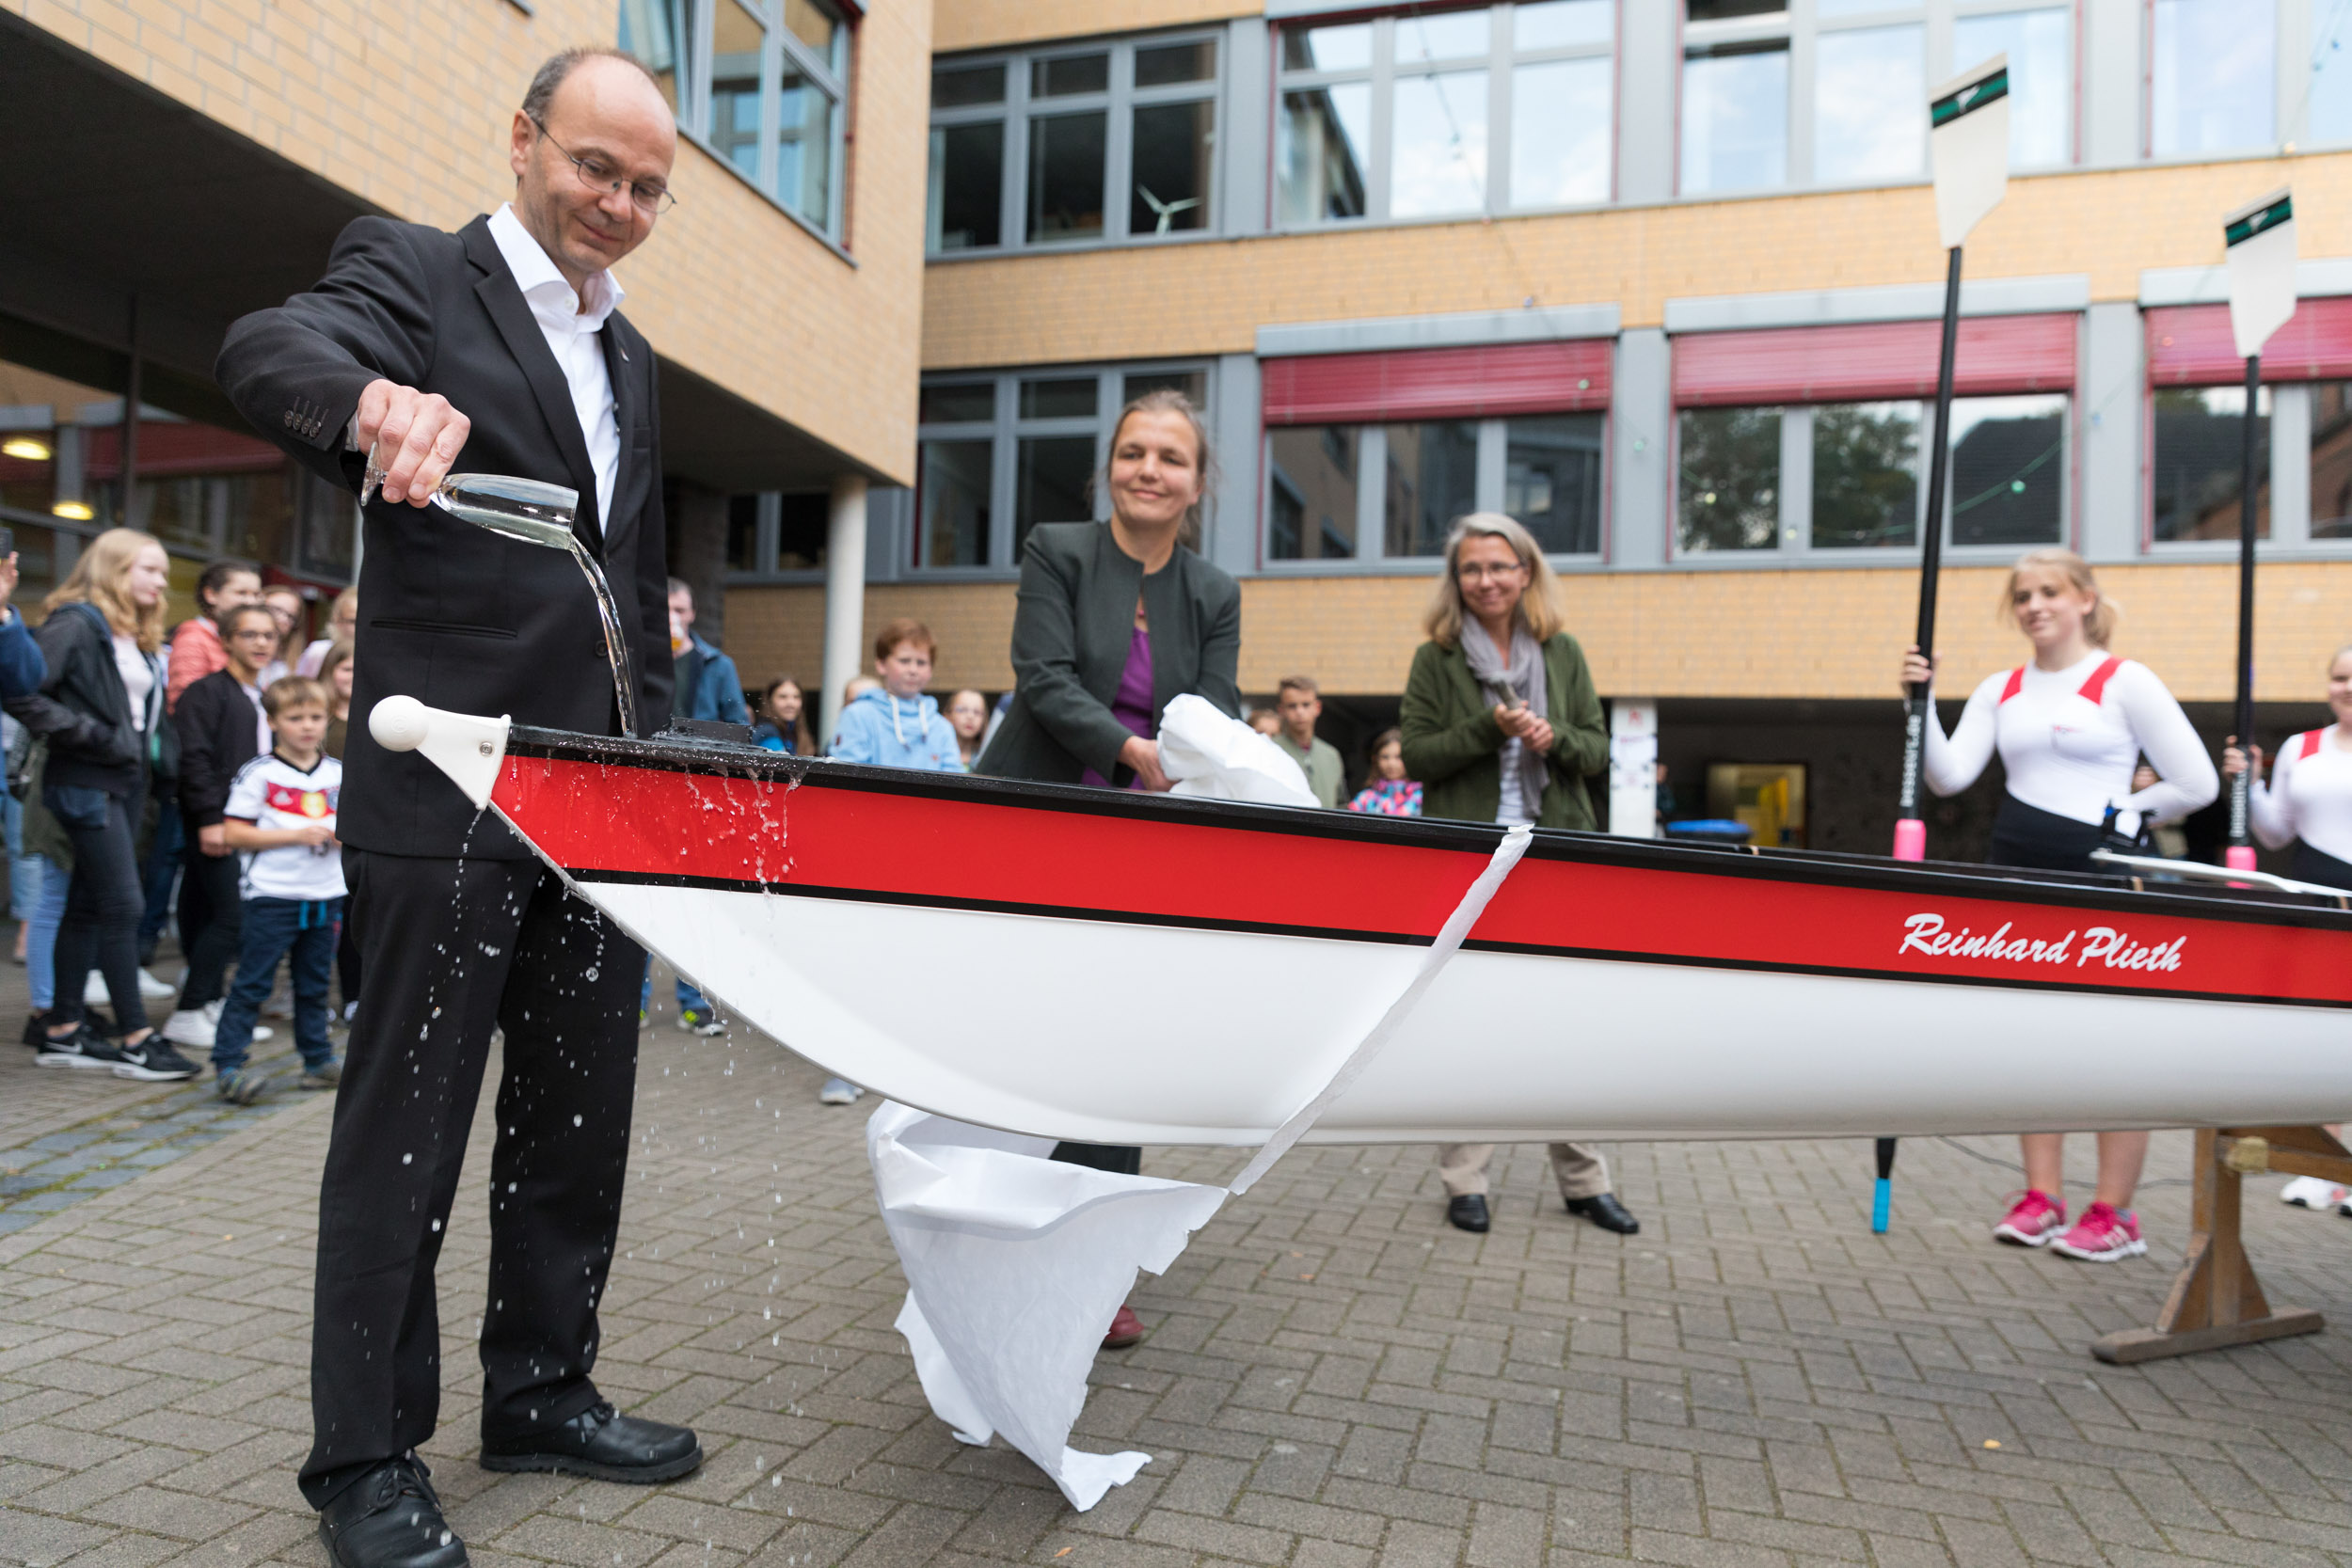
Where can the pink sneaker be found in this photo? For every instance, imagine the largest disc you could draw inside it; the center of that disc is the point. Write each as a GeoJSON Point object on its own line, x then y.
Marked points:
{"type": "Point", "coordinates": [2032, 1222]}
{"type": "Point", "coordinates": [2101, 1236]}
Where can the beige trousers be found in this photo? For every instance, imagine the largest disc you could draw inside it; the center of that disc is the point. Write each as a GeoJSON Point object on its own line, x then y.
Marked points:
{"type": "Point", "coordinates": [1579, 1172]}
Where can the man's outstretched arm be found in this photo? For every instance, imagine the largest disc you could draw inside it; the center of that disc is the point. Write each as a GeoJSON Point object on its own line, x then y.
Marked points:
{"type": "Point", "coordinates": [353, 346]}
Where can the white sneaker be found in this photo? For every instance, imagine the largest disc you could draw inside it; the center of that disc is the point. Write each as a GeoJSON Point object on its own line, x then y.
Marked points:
{"type": "Point", "coordinates": [193, 1027]}
{"type": "Point", "coordinates": [212, 1016]}
{"type": "Point", "coordinates": [2311, 1192]}
{"type": "Point", "coordinates": [838, 1091]}
{"type": "Point", "coordinates": [94, 992]}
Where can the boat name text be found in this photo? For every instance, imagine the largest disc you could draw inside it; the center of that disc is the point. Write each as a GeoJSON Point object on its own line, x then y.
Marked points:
{"type": "Point", "coordinates": [2110, 947]}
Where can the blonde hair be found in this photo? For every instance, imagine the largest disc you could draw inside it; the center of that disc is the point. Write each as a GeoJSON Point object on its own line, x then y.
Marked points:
{"type": "Point", "coordinates": [1539, 604]}
{"type": "Point", "coordinates": [96, 580]}
{"type": "Point", "coordinates": [2099, 625]}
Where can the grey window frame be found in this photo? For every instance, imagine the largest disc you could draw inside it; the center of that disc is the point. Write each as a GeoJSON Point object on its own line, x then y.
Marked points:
{"type": "Point", "coordinates": [2290, 480]}
{"type": "Point", "coordinates": [1005, 429]}
{"type": "Point", "coordinates": [1801, 25]}
{"type": "Point", "coordinates": [1498, 62]}
{"type": "Point", "coordinates": [1372, 464]}
{"type": "Point", "coordinates": [778, 44]}
{"type": "Point", "coordinates": [1117, 103]}
{"type": "Point", "coordinates": [1796, 547]}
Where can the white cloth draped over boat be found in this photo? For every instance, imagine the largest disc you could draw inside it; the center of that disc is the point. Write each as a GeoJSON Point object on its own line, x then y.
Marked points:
{"type": "Point", "coordinates": [1015, 1263]}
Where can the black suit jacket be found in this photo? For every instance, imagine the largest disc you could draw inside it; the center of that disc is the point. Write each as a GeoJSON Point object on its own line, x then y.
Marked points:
{"type": "Point", "coordinates": [450, 614]}
{"type": "Point", "coordinates": [1071, 634]}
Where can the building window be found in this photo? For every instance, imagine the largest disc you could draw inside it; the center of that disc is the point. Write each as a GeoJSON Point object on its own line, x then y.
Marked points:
{"type": "Point", "coordinates": [1545, 470]}
{"type": "Point", "coordinates": [1728, 494]}
{"type": "Point", "coordinates": [2213, 77]}
{"type": "Point", "coordinates": [1852, 476]}
{"type": "Point", "coordinates": [1001, 453]}
{"type": "Point", "coordinates": [2196, 466]}
{"type": "Point", "coordinates": [1114, 142]}
{"type": "Point", "coordinates": [1446, 114]}
{"type": "Point", "coordinates": [770, 101]}
{"type": "Point", "coordinates": [2331, 460]}
{"type": "Point", "coordinates": [2330, 93]}
{"type": "Point", "coordinates": [1770, 100]}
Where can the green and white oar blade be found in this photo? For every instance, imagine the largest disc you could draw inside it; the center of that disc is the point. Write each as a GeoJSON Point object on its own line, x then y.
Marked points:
{"type": "Point", "coordinates": [1968, 145]}
{"type": "Point", "coordinates": [2261, 237]}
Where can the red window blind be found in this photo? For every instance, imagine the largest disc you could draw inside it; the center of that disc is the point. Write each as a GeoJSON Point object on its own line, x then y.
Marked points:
{"type": "Point", "coordinates": [1559, 377]}
{"type": "Point", "coordinates": [174, 450]}
{"type": "Point", "coordinates": [1866, 362]}
{"type": "Point", "coordinates": [2190, 345]}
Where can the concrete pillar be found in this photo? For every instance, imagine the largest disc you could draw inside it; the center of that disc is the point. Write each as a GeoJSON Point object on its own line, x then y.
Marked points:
{"type": "Point", "coordinates": [845, 596]}
{"type": "Point", "coordinates": [698, 555]}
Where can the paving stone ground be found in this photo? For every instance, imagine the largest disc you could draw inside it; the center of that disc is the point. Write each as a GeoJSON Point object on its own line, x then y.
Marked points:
{"type": "Point", "coordinates": [1334, 1378]}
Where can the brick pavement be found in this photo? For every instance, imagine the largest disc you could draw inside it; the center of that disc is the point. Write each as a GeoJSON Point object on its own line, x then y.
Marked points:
{"type": "Point", "coordinates": [1334, 1378]}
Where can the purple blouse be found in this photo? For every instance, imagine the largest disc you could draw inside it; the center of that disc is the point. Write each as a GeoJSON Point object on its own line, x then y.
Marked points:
{"type": "Point", "coordinates": [1131, 704]}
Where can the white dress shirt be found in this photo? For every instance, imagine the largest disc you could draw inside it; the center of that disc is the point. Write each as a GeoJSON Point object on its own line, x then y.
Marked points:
{"type": "Point", "coordinates": [571, 333]}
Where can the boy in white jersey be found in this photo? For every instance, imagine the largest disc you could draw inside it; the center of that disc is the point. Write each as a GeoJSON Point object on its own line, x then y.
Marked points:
{"type": "Point", "coordinates": [281, 815]}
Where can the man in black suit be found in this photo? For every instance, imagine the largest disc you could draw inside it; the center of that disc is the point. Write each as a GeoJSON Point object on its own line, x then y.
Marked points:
{"type": "Point", "coordinates": [499, 344]}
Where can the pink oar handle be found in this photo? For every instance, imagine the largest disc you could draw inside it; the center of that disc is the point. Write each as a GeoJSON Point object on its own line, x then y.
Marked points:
{"type": "Point", "coordinates": [1910, 839]}
{"type": "Point", "coordinates": [2239, 856]}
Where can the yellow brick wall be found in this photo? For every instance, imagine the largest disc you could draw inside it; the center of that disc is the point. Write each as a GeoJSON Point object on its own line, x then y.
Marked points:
{"type": "Point", "coordinates": [407, 105]}
{"type": "Point", "coordinates": [1815, 633]}
{"type": "Point", "coordinates": [1211, 298]}
{"type": "Point", "coordinates": [988, 23]}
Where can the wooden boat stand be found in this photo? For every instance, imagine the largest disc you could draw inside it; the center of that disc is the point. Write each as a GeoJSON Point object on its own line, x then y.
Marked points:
{"type": "Point", "coordinates": [2216, 1300]}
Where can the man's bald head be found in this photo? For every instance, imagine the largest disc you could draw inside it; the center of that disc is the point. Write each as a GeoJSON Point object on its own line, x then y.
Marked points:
{"type": "Point", "coordinates": [594, 119]}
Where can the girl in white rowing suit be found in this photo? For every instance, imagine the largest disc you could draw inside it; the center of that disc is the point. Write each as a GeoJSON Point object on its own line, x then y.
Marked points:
{"type": "Point", "coordinates": [2308, 803]}
{"type": "Point", "coordinates": [2069, 725]}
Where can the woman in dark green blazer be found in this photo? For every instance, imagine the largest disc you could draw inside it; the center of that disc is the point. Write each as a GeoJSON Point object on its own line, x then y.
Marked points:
{"type": "Point", "coordinates": [1113, 621]}
{"type": "Point", "coordinates": [1462, 713]}
{"type": "Point", "coordinates": [1501, 724]}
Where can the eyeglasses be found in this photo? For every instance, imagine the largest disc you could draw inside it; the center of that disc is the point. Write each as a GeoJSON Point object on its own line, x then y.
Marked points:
{"type": "Point", "coordinates": [650, 197]}
{"type": "Point", "coordinates": [1479, 572]}
{"type": "Point", "coordinates": [255, 633]}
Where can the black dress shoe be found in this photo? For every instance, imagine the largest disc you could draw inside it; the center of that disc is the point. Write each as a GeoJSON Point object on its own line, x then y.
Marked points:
{"type": "Point", "coordinates": [390, 1518]}
{"type": "Point", "coordinates": [1469, 1212]}
{"type": "Point", "coordinates": [604, 1445]}
{"type": "Point", "coordinates": [1606, 1212]}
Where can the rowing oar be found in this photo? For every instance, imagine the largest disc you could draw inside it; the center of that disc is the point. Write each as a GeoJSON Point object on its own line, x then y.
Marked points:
{"type": "Point", "coordinates": [1968, 144]}
{"type": "Point", "coordinates": [2260, 237]}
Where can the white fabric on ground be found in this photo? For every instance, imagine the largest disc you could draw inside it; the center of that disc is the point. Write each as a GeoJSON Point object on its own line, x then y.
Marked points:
{"type": "Point", "coordinates": [1016, 1264]}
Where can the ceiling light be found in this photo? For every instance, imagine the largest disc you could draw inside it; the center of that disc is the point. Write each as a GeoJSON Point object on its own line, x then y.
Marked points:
{"type": "Point", "coordinates": [79, 511]}
{"type": "Point", "coordinates": [26, 447]}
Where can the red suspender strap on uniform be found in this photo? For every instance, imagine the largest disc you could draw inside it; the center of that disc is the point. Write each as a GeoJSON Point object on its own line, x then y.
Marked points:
{"type": "Point", "coordinates": [2310, 740]}
{"type": "Point", "coordinates": [2016, 682]}
{"type": "Point", "coordinates": [2096, 686]}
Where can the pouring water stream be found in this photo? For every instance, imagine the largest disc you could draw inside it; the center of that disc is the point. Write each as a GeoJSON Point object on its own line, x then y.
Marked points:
{"type": "Point", "coordinates": [535, 513]}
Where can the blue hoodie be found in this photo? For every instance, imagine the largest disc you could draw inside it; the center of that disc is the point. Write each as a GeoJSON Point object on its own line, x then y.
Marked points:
{"type": "Point", "coordinates": [897, 732]}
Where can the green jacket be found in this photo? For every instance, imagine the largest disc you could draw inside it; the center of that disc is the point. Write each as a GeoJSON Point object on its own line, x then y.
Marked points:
{"type": "Point", "coordinates": [1320, 760]}
{"type": "Point", "coordinates": [1453, 745]}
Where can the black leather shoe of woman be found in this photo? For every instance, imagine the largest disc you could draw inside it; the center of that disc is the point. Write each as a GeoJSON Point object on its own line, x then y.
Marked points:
{"type": "Point", "coordinates": [1468, 1212]}
{"type": "Point", "coordinates": [602, 1444]}
{"type": "Point", "coordinates": [1606, 1212]}
{"type": "Point", "coordinates": [390, 1518]}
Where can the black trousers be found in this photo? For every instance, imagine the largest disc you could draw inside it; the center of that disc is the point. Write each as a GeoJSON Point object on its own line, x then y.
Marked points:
{"type": "Point", "coordinates": [453, 949]}
{"type": "Point", "coordinates": [212, 923]}
{"type": "Point", "coordinates": [102, 905]}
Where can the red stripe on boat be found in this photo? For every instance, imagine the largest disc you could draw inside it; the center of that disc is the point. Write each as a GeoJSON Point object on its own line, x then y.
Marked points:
{"type": "Point", "coordinates": [650, 824]}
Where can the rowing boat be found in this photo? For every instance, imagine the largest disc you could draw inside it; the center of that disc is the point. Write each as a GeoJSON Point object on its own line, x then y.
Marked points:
{"type": "Point", "coordinates": [1115, 967]}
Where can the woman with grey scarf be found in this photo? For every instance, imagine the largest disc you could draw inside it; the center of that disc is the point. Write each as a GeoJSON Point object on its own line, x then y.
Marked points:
{"type": "Point", "coordinates": [1501, 724]}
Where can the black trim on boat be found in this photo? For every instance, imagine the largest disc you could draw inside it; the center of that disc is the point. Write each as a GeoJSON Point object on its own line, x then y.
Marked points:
{"type": "Point", "coordinates": [1817, 867]}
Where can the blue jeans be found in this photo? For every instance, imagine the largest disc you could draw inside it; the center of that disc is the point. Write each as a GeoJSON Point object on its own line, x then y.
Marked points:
{"type": "Point", "coordinates": [23, 869]}
{"type": "Point", "coordinates": [306, 928]}
{"type": "Point", "coordinates": [41, 933]}
{"type": "Point", "coordinates": [687, 995]}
